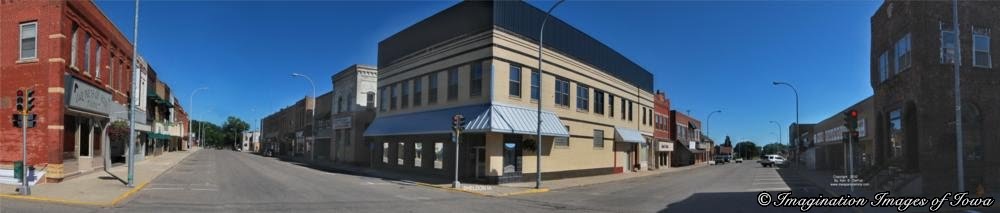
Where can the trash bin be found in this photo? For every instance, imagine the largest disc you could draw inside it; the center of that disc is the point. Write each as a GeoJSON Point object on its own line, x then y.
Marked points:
{"type": "Point", "coordinates": [19, 170]}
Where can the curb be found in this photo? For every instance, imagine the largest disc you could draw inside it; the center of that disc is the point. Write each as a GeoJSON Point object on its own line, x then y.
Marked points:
{"type": "Point", "coordinates": [113, 202]}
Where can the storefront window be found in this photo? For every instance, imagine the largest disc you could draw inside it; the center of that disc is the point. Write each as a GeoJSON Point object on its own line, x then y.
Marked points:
{"type": "Point", "coordinates": [438, 155]}
{"type": "Point", "coordinates": [401, 153]}
{"type": "Point", "coordinates": [385, 153]}
{"type": "Point", "coordinates": [418, 154]}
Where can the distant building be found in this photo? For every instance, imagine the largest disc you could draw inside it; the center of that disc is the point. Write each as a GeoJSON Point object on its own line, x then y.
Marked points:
{"type": "Point", "coordinates": [285, 131]}
{"type": "Point", "coordinates": [663, 143]}
{"type": "Point", "coordinates": [353, 111]}
{"type": "Point", "coordinates": [686, 132]}
{"type": "Point", "coordinates": [250, 141]}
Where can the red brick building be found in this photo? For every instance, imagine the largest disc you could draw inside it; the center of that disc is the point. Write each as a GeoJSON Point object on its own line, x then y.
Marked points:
{"type": "Point", "coordinates": [661, 130]}
{"type": "Point", "coordinates": [685, 131]}
{"type": "Point", "coordinates": [78, 63]}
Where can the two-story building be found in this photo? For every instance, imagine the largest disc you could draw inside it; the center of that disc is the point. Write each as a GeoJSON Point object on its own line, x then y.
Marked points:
{"type": "Point", "coordinates": [913, 54]}
{"type": "Point", "coordinates": [354, 98]}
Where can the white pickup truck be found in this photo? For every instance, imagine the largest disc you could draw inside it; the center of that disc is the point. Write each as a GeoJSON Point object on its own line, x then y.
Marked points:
{"type": "Point", "coordinates": [771, 160]}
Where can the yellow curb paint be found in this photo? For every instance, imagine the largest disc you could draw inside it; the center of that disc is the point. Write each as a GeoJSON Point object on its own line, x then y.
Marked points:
{"type": "Point", "coordinates": [53, 200]}
{"type": "Point", "coordinates": [128, 193]}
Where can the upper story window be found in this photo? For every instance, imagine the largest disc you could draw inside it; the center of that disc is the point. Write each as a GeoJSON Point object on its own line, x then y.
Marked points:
{"type": "Point", "coordinates": [97, 63]}
{"type": "Point", "coordinates": [432, 88]}
{"type": "Point", "coordinates": [418, 91]}
{"type": "Point", "coordinates": [370, 99]}
{"type": "Point", "coordinates": [624, 111]}
{"type": "Point", "coordinates": [903, 60]}
{"type": "Point", "coordinates": [476, 80]}
{"type": "Point", "coordinates": [536, 80]}
{"type": "Point", "coordinates": [382, 97]}
{"type": "Point", "coordinates": [598, 102]}
{"type": "Point", "coordinates": [29, 40]}
{"type": "Point", "coordinates": [453, 84]}
{"type": "Point", "coordinates": [340, 104]}
{"type": "Point", "coordinates": [611, 105]}
{"type": "Point", "coordinates": [947, 43]}
{"type": "Point", "coordinates": [981, 47]}
{"type": "Point", "coordinates": [630, 112]}
{"type": "Point", "coordinates": [582, 97]}
{"type": "Point", "coordinates": [73, 49]}
{"type": "Point", "coordinates": [392, 96]}
{"type": "Point", "coordinates": [86, 53]}
{"type": "Point", "coordinates": [883, 66]}
{"type": "Point", "coordinates": [405, 90]}
{"type": "Point", "coordinates": [562, 92]}
{"type": "Point", "coordinates": [514, 87]}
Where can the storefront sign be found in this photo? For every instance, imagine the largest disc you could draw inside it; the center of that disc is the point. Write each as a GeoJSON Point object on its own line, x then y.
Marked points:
{"type": "Point", "coordinates": [81, 95]}
{"type": "Point", "coordinates": [342, 123]}
{"type": "Point", "coordinates": [665, 146]}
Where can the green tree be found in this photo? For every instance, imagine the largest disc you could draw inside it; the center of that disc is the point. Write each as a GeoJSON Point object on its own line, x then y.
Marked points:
{"type": "Point", "coordinates": [747, 149]}
{"type": "Point", "coordinates": [232, 127]}
{"type": "Point", "coordinates": [774, 148]}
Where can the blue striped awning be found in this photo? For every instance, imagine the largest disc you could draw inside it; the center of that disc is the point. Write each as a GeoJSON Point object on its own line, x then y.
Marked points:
{"type": "Point", "coordinates": [628, 135]}
{"type": "Point", "coordinates": [479, 118]}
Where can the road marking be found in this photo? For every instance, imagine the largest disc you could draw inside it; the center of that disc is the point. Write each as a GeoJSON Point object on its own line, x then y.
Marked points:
{"type": "Point", "coordinates": [198, 189]}
{"type": "Point", "coordinates": [769, 189]}
{"type": "Point", "coordinates": [171, 188]}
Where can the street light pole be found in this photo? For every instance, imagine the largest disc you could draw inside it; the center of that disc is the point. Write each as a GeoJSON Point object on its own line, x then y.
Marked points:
{"type": "Point", "coordinates": [959, 152]}
{"type": "Point", "coordinates": [191, 115]}
{"type": "Point", "coordinates": [797, 132]}
{"type": "Point", "coordinates": [135, 97]}
{"type": "Point", "coordinates": [538, 139]}
{"type": "Point", "coordinates": [779, 130]}
{"type": "Point", "coordinates": [708, 121]}
{"type": "Point", "coordinates": [313, 142]}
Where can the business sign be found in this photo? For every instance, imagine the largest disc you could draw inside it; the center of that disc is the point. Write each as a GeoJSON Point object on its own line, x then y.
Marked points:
{"type": "Point", "coordinates": [665, 146]}
{"type": "Point", "coordinates": [81, 95]}
{"type": "Point", "coordinates": [342, 123]}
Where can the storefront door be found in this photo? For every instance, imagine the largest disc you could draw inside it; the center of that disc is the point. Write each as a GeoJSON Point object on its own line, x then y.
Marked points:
{"type": "Point", "coordinates": [480, 154]}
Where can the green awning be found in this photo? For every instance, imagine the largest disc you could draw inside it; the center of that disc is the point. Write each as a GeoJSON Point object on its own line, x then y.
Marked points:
{"type": "Point", "coordinates": [157, 136]}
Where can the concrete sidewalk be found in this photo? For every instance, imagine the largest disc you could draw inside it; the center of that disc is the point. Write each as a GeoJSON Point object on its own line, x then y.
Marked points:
{"type": "Point", "coordinates": [486, 189]}
{"type": "Point", "coordinates": [100, 188]}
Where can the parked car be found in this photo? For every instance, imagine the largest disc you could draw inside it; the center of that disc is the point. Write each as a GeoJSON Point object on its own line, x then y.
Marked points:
{"type": "Point", "coordinates": [771, 160]}
{"type": "Point", "coordinates": [719, 159]}
{"type": "Point", "coordinates": [739, 160]}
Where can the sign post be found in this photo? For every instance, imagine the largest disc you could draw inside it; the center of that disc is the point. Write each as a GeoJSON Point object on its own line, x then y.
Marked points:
{"type": "Point", "coordinates": [458, 123]}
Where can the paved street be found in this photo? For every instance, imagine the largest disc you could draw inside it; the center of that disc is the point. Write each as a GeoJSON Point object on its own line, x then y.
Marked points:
{"type": "Point", "coordinates": [227, 181]}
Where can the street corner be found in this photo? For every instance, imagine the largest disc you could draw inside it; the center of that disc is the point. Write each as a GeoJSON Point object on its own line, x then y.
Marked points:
{"type": "Point", "coordinates": [31, 198]}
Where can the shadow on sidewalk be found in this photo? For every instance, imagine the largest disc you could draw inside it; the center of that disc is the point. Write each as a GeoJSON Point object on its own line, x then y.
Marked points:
{"type": "Point", "coordinates": [382, 174]}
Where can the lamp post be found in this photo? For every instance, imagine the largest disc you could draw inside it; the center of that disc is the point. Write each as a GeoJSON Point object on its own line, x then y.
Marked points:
{"type": "Point", "coordinates": [538, 142]}
{"type": "Point", "coordinates": [708, 121]}
{"type": "Point", "coordinates": [135, 97]}
{"type": "Point", "coordinates": [191, 112]}
{"type": "Point", "coordinates": [959, 153]}
{"type": "Point", "coordinates": [313, 142]}
{"type": "Point", "coordinates": [779, 130]}
{"type": "Point", "coordinates": [797, 132]}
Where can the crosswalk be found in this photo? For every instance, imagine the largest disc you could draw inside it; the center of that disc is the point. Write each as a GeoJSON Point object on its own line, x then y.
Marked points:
{"type": "Point", "coordinates": [772, 180]}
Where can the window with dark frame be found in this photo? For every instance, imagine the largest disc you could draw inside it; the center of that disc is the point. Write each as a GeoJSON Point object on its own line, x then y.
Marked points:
{"type": "Point", "coordinates": [536, 80]}
{"type": "Point", "coordinates": [432, 88]}
{"type": "Point", "coordinates": [392, 96]}
{"type": "Point", "coordinates": [981, 47]}
{"type": "Point", "coordinates": [476, 80]}
{"type": "Point", "coordinates": [598, 138]}
{"type": "Point", "coordinates": [582, 98]}
{"type": "Point", "coordinates": [418, 91]}
{"type": "Point", "coordinates": [453, 84]}
{"type": "Point", "coordinates": [404, 102]}
{"type": "Point", "coordinates": [599, 102]}
{"type": "Point", "coordinates": [562, 92]}
{"type": "Point", "coordinates": [514, 78]}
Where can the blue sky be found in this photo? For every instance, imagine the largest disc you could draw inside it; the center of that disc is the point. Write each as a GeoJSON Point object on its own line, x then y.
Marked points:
{"type": "Point", "coordinates": [707, 55]}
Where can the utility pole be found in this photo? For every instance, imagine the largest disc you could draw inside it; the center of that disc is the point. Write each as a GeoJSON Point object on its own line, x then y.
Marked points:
{"type": "Point", "coordinates": [134, 100]}
{"type": "Point", "coordinates": [959, 152]}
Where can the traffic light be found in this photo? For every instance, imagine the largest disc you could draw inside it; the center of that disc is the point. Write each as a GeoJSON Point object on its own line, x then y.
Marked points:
{"type": "Point", "coordinates": [16, 119]}
{"type": "Point", "coordinates": [458, 122]}
{"type": "Point", "coordinates": [20, 101]}
{"type": "Point", "coordinates": [31, 121]}
{"type": "Point", "coordinates": [851, 120]}
{"type": "Point", "coordinates": [30, 102]}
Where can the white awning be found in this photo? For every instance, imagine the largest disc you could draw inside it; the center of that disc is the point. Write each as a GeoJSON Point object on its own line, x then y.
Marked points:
{"type": "Point", "coordinates": [628, 135]}
{"type": "Point", "coordinates": [517, 120]}
{"type": "Point", "coordinates": [479, 118]}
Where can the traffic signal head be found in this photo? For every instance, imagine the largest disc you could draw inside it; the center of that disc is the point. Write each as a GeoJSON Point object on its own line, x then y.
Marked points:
{"type": "Point", "coordinates": [458, 122]}
{"type": "Point", "coordinates": [851, 119]}
{"type": "Point", "coordinates": [30, 103]}
{"type": "Point", "coordinates": [20, 101]}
